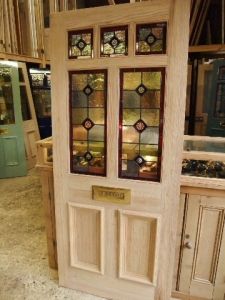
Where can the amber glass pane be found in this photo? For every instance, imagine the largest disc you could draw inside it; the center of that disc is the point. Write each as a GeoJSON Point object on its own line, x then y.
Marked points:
{"type": "Point", "coordinates": [141, 114]}
{"type": "Point", "coordinates": [88, 118]}
{"type": "Point", "coordinates": [151, 38]}
{"type": "Point", "coordinates": [80, 43]}
{"type": "Point", "coordinates": [114, 41]}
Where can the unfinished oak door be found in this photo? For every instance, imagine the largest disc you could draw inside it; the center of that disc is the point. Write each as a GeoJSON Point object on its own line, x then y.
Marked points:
{"type": "Point", "coordinates": [30, 126]}
{"type": "Point", "coordinates": [202, 257]}
{"type": "Point", "coordinates": [118, 90]}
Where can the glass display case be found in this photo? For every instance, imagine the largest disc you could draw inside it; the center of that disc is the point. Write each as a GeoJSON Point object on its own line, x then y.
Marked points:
{"type": "Point", "coordinates": [41, 90]}
{"type": "Point", "coordinates": [204, 157]}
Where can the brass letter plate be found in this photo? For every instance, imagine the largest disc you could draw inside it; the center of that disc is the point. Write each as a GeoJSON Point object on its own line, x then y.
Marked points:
{"type": "Point", "coordinates": [109, 194]}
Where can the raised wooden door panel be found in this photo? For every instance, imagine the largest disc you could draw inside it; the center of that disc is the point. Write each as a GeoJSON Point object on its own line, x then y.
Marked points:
{"type": "Point", "coordinates": [203, 235]}
{"type": "Point", "coordinates": [117, 117]}
{"type": "Point", "coordinates": [30, 126]}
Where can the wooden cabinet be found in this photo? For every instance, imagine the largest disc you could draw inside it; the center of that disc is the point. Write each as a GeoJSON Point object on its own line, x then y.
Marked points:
{"type": "Point", "coordinates": [201, 269]}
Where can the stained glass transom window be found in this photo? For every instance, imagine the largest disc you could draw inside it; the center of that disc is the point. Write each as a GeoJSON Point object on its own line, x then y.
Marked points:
{"type": "Point", "coordinates": [151, 38]}
{"type": "Point", "coordinates": [141, 120]}
{"type": "Point", "coordinates": [220, 101]}
{"type": "Point", "coordinates": [114, 41]}
{"type": "Point", "coordinates": [88, 121]}
{"type": "Point", "coordinates": [81, 43]}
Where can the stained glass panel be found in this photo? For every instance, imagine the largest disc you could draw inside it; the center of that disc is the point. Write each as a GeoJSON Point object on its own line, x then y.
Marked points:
{"type": "Point", "coordinates": [141, 119]}
{"type": "Point", "coordinates": [80, 43]}
{"type": "Point", "coordinates": [88, 122]}
{"type": "Point", "coordinates": [151, 39]}
{"type": "Point", "coordinates": [114, 41]}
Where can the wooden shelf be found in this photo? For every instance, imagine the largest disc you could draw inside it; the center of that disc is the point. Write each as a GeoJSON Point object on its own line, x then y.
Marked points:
{"type": "Point", "coordinates": [23, 58]}
{"type": "Point", "coordinates": [207, 48]}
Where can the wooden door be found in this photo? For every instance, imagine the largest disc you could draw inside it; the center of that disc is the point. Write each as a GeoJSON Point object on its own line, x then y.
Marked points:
{"type": "Point", "coordinates": [30, 127]}
{"type": "Point", "coordinates": [12, 152]}
{"type": "Point", "coordinates": [216, 101]}
{"type": "Point", "coordinates": [202, 256]}
{"type": "Point", "coordinates": [118, 89]}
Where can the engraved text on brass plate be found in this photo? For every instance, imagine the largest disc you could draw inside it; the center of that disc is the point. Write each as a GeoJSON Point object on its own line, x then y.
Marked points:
{"type": "Point", "coordinates": [109, 194]}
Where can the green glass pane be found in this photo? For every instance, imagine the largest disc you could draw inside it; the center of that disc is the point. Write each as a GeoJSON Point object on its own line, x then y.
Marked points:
{"type": "Point", "coordinates": [74, 51]}
{"type": "Point", "coordinates": [152, 80]}
{"type": "Point", "coordinates": [96, 133]}
{"type": "Point", "coordinates": [87, 51]}
{"type": "Point", "coordinates": [79, 99]}
{"type": "Point", "coordinates": [143, 33]}
{"type": "Point", "coordinates": [96, 148]}
{"type": "Point", "coordinates": [144, 47]}
{"type": "Point", "coordinates": [150, 116]}
{"type": "Point", "coordinates": [130, 135]}
{"type": "Point", "coordinates": [151, 99]}
{"type": "Point", "coordinates": [97, 115]}
{"type": "Point", "coordinates": [107, 49]}
{"type": "Point", "coordinates": [96, 81]}
{"type": "Point", "coordinates": [79, 133]}
{"type": "Point", "coordinates": [80, 148]}
{"type": "Point", "coordinates": [130, 151]}
{"type": "Point", "coordinates": [149, 152]}
{"type": "Point", "coordinates": [79, 81]}
{"type": "Point", "coordinates": [131, 99]}
{"type": "Point", "coordinates": [79, 115]}
{"type": "Point", "coordinates": [131, 80]}
{"type": "Point", "coordinates": [130, 116]}
{"type": "Point", "coordinates": [121, 48]}
{"type": "Point", "coordinates": [75, 38]}
{"type": "Point", "coordinates": [97, 99]}
{"type": "Point", "coordinates": [150, 136]}
{"type": "Point", "coordinates": [157, 46]}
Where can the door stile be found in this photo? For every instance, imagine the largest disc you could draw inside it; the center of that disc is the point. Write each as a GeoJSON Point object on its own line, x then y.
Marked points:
{"type": "Point", "coordinates": [173, 140]}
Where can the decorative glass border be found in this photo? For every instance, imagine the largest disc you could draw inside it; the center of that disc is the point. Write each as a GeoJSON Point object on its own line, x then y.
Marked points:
{"type": "Point", "coordinates": [114, 42]}
{"type": "Point", "coordinates": [151, 38]}
{"type": "Point", "coordinates": [82, 43]}
{"type": "Point", "coordinates": [87, 123]}
{"type": "Point", "coordinates": [140, 125]}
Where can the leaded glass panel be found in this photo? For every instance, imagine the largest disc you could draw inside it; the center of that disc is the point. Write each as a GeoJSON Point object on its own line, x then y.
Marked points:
{"type": "Point", "coordinates": [114, 41]}
{"type": "Point", "coordinates": [88, 122]}
{"type": "Point", "coordinates": [141, 119]}
{"type": "Point", "coordinates": [151, 38]}
{"type": "Point", "coordinates": [80, 43]}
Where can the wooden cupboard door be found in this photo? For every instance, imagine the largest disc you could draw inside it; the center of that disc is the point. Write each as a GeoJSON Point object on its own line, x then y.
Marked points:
{"type": "Point", "coordinates": [117, 117]}
{"type": "Point", "coordinates": [202, 250]}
